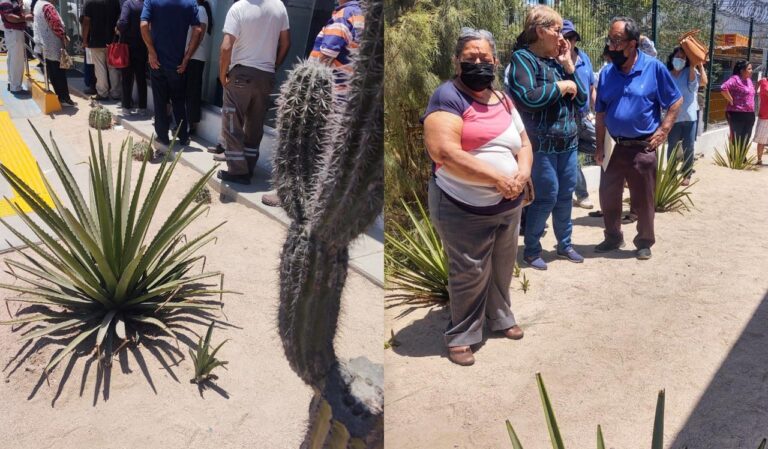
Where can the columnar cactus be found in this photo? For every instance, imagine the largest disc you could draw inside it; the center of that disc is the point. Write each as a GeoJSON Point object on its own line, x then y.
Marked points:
{"type": "Point", "coordinates": [329, 176]}
{"type": "Point", "coordinates": [100, 118]}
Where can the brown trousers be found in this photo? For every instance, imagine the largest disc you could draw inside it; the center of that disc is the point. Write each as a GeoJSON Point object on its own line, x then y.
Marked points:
{"type": "Point", "coordinates": [246, 99]}
{"type": "Point", "coordinates": [636, 164]}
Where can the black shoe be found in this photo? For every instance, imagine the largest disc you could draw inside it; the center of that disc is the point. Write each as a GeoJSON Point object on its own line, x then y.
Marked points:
{"type": "Point", "coordinates": [66, 102]}
{"type": "Point", "coordinates": [607, 246]}
{"type": "Point", "coordinates": [239, 179]}
{"type": "Point", "coordinates": [98, 97]}
{"type": "Point", "coordinates": [89, 91]}
{"type": "Point", "coordinates": [643, 253]}
{"type": "Point", "coordinates": [596, 214]}
{"type": "Point", "coordinates": [218, 149]}
{"type": "Point", "coordinates": [21, 93]}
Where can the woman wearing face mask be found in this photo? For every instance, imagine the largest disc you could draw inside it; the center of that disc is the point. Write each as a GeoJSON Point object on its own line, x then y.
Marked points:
{"type": "Point", "coordinates": [542, 84]}
{"type": "Point", "coordinates": [482, 162]}
{"type": "Point", "coordinates": [739, 92]}
{"type": "Point", "coordinates": [687, 80]}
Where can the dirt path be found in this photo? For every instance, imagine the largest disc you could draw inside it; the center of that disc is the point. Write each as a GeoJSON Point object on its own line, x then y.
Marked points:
{"type": "Point", "coordinates": [607, 335]}
{"type": "Point", "coordinates": [260, 401]}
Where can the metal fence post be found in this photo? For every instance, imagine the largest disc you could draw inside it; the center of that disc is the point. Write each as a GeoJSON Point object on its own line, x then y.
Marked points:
{"type": "Point", "coordinates": [711, 63]}
{"type": "Point", "coordinates": [749, 45]}
{"type": "Point", "coordinates": [655, 22]}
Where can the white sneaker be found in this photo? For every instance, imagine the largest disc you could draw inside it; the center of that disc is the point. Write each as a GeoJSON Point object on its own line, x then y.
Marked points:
{"type": "Point", "coordinates": [133, 111]}
{"type": "Point", "coordinates": [585, 203]}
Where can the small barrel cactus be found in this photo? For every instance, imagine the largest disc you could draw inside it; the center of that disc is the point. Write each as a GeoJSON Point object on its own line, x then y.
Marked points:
{"type": "Point", "coordinates": [329, 176]}
{"type": "Point", "coordinates": [100, 118]}
{"type": "Point", "coordinates": [203, 196]}
{"type": "Point", "coordinates": [142, 150]}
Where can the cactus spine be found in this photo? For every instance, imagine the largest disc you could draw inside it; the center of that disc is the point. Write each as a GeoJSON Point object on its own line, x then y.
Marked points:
{"type": "Point", "coordinates": [100, 118]}
{"type": "Point", "coordinates": [329, 176]}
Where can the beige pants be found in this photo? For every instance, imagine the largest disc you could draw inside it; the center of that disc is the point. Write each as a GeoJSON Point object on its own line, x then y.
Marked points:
{"type": "Point", "coordinates": [108, 82]}
{"type": "Point", "coordinates": [246, 99]}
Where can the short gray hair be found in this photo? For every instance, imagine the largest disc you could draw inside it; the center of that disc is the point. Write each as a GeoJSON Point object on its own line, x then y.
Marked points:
{"type": "Point", "coordinates": [470, 34]}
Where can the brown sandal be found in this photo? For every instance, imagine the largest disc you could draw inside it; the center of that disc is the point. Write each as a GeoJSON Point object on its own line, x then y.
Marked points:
{"type": "Point", "coordinates": [461, 355]}
{"type": "Point", "coordinates": [514, 332]}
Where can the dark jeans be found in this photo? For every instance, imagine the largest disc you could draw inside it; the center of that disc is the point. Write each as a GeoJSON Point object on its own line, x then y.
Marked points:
{"type": "Point", "coordinates": [684, 132]}
{"type": "Point", "coordinates": [637, 165]}
{"type": "Point", "coordinates": [89, 77]}
{"type": "Point", "coordinates": [554, 179]}
{"type": "Point", "coordinates": [169, 87]}
{"type": "Point", "coordinates": [741, 124]}
{"type": "Point", "coordinates": [58, 79]}
{"type": "Point", "coordinates": [194, 89]}
{"type": "Point", "coordinates": [136, 69]}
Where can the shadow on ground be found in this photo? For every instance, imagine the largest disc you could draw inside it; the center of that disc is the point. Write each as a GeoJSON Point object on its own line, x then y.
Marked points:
{"type": "Point", "coordinates": [733, 411]}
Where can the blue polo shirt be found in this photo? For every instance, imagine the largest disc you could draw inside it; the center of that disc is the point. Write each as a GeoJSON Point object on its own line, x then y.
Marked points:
{"type": "Point", "coordinates": [633, 102]}
{"type": "Point", "coordinates": [170, 20]}
{"type": "Point", "coordinates": [586, 75]}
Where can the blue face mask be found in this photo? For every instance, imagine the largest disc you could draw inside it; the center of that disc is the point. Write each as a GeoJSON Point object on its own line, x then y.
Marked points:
{"type": "Point", "coordinates": [678, 63]}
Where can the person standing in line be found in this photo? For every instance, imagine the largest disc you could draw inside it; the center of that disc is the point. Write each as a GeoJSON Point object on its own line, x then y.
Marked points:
{"type": "Point", "coordinates": [15, 23]}
{"type": "Point", "coordinates": [545, 88]}
{"type": "Point", "coordinates": [684, 130]}
{"type": "Point", "coordinates": [129, 27]}
{"type": "Point", "coordinates": [256, 41]}
{"type": "Point", "coordinates": [99, 20]}
{"type": "Point", "coordinates": [631, 93]}
{"type": "Point", "coordinates": [197, 65]}
{"type": "Point", "coordinates": [739, 92]}
{"type": "Point", "coordinates": [761, 131]}
{"type": "Point", "coordinates": [583, 115]}
{"type": "Point", "coordinates": [169, 21]}
{"type": "Point", "coordinates": [49, 31]}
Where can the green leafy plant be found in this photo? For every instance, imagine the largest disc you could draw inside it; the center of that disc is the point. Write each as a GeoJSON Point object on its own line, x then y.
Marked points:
{"type": "Point", "coordinates": [736, 155]}
{"type": "Point", "coordinates": [96, 272]}
{"type": "Point", "coordinates": [416, 262]}
{"type": "Point", "coordinates": [100, 118]}
{"type": "Point", "coordinates": [525, 284]}
{"type": "Point", "coordinates": [670, 194]}
{"type": "Point", "coordinates": [392, 342]}
{"type": "Point", "coordinates": [516, 270]}
{"type": "Point", "coordinates": [657, 441]}
{"type": "Point", "coordinates": [142, 150]}
{"type": "Point", "coordinates": [205, 360]}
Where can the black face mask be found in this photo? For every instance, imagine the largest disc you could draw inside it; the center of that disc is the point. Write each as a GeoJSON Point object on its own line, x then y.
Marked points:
{"type": "Point", "coordinates": [477, 77]}
{"type": "Point", "coordinates": [617, 57]}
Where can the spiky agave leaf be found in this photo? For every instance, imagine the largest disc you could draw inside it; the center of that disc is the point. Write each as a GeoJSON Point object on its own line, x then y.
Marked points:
{"type": "Point", "coordinates": [96, 267]}
{"type": "Point", "coordinates": [670, 195]}
{"type": "Point", "coordinates": [204, 359]}
{"type": "Point", "coordinates": [736, 155]}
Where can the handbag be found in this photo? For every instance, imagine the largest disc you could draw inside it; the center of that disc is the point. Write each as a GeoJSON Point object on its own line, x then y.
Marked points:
{"type": "Point", "coordinates": [65, 62]}
{"type": "Point", "coordinates": [117, 54]}
{"type": "Point", "coordinates": [528, 195]}
{"type": "Point", "coordinates": [694, 49]}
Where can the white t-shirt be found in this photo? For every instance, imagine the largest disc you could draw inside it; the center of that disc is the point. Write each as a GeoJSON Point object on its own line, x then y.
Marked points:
{"type": "Point", "coordinates": [204, 49]}
{"type": "Point", "coordinates": [256, 25]}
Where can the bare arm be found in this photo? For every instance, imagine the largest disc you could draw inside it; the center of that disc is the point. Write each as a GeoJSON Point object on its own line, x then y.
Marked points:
{"type": "Point", "coordinates": [662, 131]}
{"type": "Point", "coordinates": [283, 45]}
{"type": "Point", "coordinates": [524, 162]}
{"type": "Point", "coordinates": [86, 30]}
{"type": "Point", "coordinates": [225, 57]}
{"type": "Point", "coordinates": [727, 96]}
{"type": "Point", "coordinates": [704, 81]}
{"type": "Point", "coordinates": [600, 137]}
{"type": "Point", "coordinates": [194, 42]}
{"type": "Point", "coordinates": [442, 137]}
{"type": "Point", "coordinates": [147, 37]}
{"type": "Point", "coordinates": [592, 97]}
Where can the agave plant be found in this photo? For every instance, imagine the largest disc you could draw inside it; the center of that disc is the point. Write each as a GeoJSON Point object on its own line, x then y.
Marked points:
{"type": "Point", "coordinates": [416, 262]}
{"type": "Point", "coordinates": [205, 360]}
{"type": "Point", "coordinates": [670, 194]}
{"type": "Point", "coordinates": [95, 271]}
{"type": "Point", "coordinates": [736, 155]}
{"type": "Point", "coordinates": [657, 441]}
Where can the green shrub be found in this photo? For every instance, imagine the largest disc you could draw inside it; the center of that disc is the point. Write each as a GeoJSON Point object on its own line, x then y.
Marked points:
{"type": "Point", "coordinates": [96, 272]}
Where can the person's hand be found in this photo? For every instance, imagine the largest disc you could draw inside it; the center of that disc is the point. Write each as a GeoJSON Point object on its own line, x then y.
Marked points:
{"type": "Point", "coordinates": [183, 66]}
{"type": "Point", "coordinates": [507, 187]}
{"type": "Point", "coordinates": [564, 55]}
{"type": "Point", "coordinates": [599, 156]}
{"type": "Point", "coordinates": [224, 79]}
{"type": "Point", "coordinates": [566, 87]}
{"type": "Point", "coordinates": [153, 62]}
{"type": "Point", "coordinates": [29, 17]}
{"type": "Point", "coordinates": [65, 41]}
{"type": "Point", "coordinates": [658, 137]}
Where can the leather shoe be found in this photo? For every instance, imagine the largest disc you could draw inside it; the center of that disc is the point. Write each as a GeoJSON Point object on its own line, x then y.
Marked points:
{"type": "Point", "coordinates": [514, 332]}
{"type": "Point", "coordinates": [461, 355]}
{"type": "Point", "coordinates": [239, 179]}
{"type": "Point", "coordinates": [218, 149]}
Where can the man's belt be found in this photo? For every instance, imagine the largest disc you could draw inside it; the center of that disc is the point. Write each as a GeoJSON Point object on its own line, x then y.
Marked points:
{"type": "Point", "coordinates": [633, 141]}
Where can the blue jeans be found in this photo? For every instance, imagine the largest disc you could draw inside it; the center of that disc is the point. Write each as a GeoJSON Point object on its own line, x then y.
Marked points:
{"type": "Point", "coordinates": [684, 132]}
{"type": "Point", "coordinates": [169, 87]}
{"type": "Point", "coordinates": [581, 184]}
{"type": "Point", "coordinates": [554, 179]}
{"type": "Point", "coordinates": [587, 144]}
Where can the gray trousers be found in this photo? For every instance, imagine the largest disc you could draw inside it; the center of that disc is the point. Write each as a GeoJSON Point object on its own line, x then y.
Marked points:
{"type": "Point", "coordinates": [481, 254]}
{"type": "Point", "coordinates": [246, 98]}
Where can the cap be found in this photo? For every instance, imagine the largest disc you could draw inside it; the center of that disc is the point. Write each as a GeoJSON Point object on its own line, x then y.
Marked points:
{"type": "Point", "coordinates": [568, 28]}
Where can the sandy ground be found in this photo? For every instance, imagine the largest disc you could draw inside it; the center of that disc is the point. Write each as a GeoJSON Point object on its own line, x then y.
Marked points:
{"type": "Point", "coordinates": [607, 336]}
{"type": "Point", "coordinates": [258, 402]}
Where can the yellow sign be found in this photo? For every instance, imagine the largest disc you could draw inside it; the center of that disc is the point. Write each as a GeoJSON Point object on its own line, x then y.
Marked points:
{"type": "Point", "coordinates": [15, 155]}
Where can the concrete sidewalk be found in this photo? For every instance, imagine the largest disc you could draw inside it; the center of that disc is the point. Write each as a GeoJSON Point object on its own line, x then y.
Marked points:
{"type": "Point", "coordinates": [366, 252]}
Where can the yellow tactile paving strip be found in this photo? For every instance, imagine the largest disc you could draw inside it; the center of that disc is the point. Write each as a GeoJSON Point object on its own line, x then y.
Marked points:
{"type": "Point", "coordinates": [15, 155]}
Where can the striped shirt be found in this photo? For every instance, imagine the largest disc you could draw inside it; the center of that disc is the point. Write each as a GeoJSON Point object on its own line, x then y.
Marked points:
{"type": "Point", "coordinates": [339, 41]}
{"type": "Point", "coordinates": [549, 118]}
